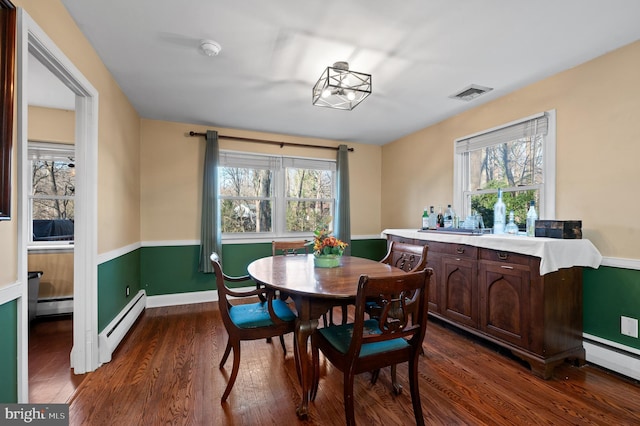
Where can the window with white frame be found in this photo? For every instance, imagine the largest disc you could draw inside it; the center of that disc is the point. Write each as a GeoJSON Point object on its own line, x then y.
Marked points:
{"type": "Point", "coordinates": [52, 197]}
{"type": "Point", "coordinates": [271, 196]}
{"type": "Point", "coordinates": [519, 158]}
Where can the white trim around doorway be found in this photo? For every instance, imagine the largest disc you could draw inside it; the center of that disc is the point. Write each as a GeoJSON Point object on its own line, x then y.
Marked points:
{"type": "Point", "coordinates": [84, 355]}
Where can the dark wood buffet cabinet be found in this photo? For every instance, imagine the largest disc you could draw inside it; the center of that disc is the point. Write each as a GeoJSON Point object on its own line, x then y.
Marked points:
{"type": "Point", "coordinates": [501, 297]}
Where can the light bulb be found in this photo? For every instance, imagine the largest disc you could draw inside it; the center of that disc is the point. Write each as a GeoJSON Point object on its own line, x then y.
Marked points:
{"type": "Point", "coordinates": [326, 93]}
{"type": "Point", "coordinates": [351, 96]}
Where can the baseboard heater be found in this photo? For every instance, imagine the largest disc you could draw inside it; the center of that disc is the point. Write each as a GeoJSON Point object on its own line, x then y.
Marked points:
{"type": "Point", "coordinates": [612, 356]}
{"type": "Point", "coordinates": [54, 306]}
{"type": "Point", "coordinates": [113, 333]}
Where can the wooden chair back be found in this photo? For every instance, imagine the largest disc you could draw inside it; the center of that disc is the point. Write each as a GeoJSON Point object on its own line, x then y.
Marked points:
{"type": "Point", "coordinates": [266, 317]}
{"type": "Point", "coordinates": [370, 344]}
{"type": "Point", "coordinates": [289, 247]}
{"type": "Point", "coordinates": [408, 257]}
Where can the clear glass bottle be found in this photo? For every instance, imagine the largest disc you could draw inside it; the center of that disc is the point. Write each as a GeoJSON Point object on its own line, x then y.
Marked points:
{"type": "Point", "coordinates": [512, 228]}
{"type": "Point", "coordinates": [448, 217]}
{"type": "Point", "coordinates": [425, 218]}
{"type": "Point", "coordinates": [532, 216]}
{"type": "Point", "coordinates": [432, 218]}
{"type": "Point", "coordinates": [440, 222]}
{"type": "Point", "coordinates": [499, 214]}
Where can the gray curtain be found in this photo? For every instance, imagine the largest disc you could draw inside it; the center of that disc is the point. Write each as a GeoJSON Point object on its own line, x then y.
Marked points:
{"type": "Point", "coordinates": [210, 235]}
{"type": "Point", "coordinates": [342, 225]}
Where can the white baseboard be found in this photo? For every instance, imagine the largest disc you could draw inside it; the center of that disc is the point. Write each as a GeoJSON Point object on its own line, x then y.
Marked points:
{"type": "Point", "coordinates": [113, 333]}
{"type": "Point", "coordinates": [182, 298]}
{"type": "Point", "coordinates": [54, 306]}
{"type": "Point", "coordinates": [612, 356]}
{"type": "Point", "coordinates": [175, 299]}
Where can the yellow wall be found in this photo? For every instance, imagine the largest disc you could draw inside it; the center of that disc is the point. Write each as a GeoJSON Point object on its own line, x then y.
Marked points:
{"type": "Point", "coordinates": [172, 164]}
{"type": "Point", "coordinates": [57, 277]}
{"type": "Point", "coordinates": [51, 125]}
{"type": "Point", "coordinates": [118, 129]}
{"type": "Point", "coordinates": [598, 107]}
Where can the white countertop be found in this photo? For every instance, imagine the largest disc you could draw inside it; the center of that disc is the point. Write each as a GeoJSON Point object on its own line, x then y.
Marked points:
{"type": "Point", "coordinates": [554, 253]}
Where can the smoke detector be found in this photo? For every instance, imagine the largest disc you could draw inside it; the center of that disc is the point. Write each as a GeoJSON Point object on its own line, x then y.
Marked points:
{"type": "Point", "coordinates": [471, 92]}
{"type": "Point", "coordinates": [210, 47]}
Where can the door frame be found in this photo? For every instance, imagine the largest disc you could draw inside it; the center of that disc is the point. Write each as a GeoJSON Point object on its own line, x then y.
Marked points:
{"type": "Point", "coordinates": [84, 354]}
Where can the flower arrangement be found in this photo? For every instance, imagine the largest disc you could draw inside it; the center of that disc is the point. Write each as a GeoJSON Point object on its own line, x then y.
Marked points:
{"type": "Point", "coordinates": [324, 244]}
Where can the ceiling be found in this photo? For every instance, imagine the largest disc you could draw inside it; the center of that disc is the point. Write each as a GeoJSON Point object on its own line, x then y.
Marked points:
{"type": "Point", "coordinates": [419, 54]}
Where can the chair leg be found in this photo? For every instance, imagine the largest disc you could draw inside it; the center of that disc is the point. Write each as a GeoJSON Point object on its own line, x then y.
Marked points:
{"type": "Point", "coordinates": [397, 388]}
{"type": "Point", "coordinates": [415, 391]}
{"type": "Point", "coordinates": [297, 359]}
{"type": "Point", "coordinates": [227, 351]}
{"type": "Point", "coordinates": [234, 371]}
{"type": "Point", "coordinates": [284, 348]}
{"type": "Point", "coordinates": [348, 398]}
{"type": "Point", "coordinates": [315, 380]}
{"type": "Point", "coordinates": [374, 376]}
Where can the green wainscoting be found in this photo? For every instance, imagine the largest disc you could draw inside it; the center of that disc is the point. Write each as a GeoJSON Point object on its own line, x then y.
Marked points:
{"type": "Point", "coordinates": [174, 269]}
{"type": "Point", "coordinates": [9, 352]}
{"type": "Point", "coordinates": [608, 294]}
{"type": "Point", "coordinates": [113, 278]}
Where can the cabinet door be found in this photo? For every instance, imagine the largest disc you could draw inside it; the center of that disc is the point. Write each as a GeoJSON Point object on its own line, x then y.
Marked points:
{"type": "Point", "coordinates": [459, 289]}
{"type": "Point", "coordinates": [504, 301]}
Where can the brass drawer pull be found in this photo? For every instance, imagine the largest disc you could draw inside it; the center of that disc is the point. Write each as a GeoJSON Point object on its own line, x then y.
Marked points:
{"type": "Point", "coordinates": [502, 255]}
{"type": "Point", "coordinates": [460, 250]}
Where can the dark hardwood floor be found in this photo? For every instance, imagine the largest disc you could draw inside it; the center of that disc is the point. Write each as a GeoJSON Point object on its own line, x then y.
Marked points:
{"type": "Point", "coordinates": [166, 372]}
{"type": "Point", "coordinates": [50, 377]}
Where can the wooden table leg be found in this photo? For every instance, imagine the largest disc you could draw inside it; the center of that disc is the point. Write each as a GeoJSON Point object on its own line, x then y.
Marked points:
{"type": "Point", "coordinates": [304, 328]}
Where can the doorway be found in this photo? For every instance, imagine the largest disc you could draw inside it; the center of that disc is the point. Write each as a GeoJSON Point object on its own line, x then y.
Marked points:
{"type": "Point", "coordinates": [32, 41]}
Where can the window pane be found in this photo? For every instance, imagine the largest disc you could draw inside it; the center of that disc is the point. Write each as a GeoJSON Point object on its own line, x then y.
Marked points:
{"type": "Point", "coordinates": [246, 215]}
{"type": "Point", "coordinates": [518, 201]}
{"type": "Point", "coordinates": [243, 182]}
{"type": "Point", "coordinates": [308, 183]}
{"type": "Point", "coordinates": [308, 215]}
{"type": "Point", "coordinates": [53, 178]}
{"type": "Point", "coordinates": [510, 164]}
{"type": "Point", "coordinates": [52, 220]}
{"type": "Point", "coordinates": [52, 209]}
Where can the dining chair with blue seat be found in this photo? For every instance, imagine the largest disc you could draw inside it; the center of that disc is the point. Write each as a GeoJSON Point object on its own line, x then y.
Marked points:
{"type": "Point", "coordinates": [409, 258]}
{"type": "Point", "coordinates": [267, 317]}
{"type": "Point", "coordinates": [369, 344]}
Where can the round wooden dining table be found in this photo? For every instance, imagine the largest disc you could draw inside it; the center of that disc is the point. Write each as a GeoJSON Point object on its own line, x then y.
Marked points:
{"type": "Point", "coordinates": [314, 291]}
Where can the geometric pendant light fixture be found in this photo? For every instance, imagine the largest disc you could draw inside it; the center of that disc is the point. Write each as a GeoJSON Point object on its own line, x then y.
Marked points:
{"type": "Point", "coordinates": [340, 88]}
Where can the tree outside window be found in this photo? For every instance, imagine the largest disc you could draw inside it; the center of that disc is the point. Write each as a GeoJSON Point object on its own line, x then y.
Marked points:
{"type": "Point", "coordinates": [275, 195]}
{"type": "Point", "coordinates": [519, 158]}
{"type": "Point", "coordinates": [52, 198]}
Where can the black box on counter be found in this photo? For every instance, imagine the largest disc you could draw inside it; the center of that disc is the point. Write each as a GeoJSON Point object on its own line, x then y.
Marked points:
{"type": "Point", "coordinates": [561, 229]}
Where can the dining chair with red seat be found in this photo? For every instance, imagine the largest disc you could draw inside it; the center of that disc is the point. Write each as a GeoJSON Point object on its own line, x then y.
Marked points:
{"type": "Point", "coordinates": [267, 317]}
{"type": "Point", "coordinates": [370, 344]}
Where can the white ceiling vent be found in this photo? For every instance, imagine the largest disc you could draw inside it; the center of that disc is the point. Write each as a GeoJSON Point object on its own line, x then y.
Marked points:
{"type": "Point", "coordinates": [471, 92]}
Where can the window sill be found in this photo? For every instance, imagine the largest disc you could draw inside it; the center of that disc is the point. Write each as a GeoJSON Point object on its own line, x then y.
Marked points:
{"type": "Point", "coordinates": [47, 248]}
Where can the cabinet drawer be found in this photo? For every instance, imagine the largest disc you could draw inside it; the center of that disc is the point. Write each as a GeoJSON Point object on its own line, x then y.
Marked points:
{"type": "Point", "coordinates": [506, 256]}
{"type": "Point", "coordinates": [403, 240]}
{"type": "Point", "coordinates": [458, 250]}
